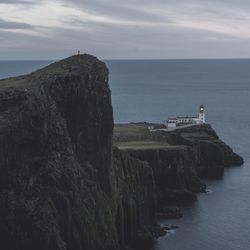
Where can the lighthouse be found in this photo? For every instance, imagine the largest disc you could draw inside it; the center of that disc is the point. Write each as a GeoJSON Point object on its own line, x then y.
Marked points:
{"type": "Point", "coordinates": [202, 114]}
{"type": "Point", "coordinates": [186, 120]}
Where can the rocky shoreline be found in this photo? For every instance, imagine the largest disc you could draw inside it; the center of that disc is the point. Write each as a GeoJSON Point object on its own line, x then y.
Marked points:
{"type": "Point", "coordinates": [69, 183]}
{"type": "Point", "coordinates": [179, 160]}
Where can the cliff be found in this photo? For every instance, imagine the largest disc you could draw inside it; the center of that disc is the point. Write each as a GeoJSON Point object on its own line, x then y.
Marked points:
{"type": "Point", "coordinates": [178, 158]}
{"type": "Point", "coordinates": [213, 155]}
{"type": "Point", "coordinates": [174, 173]}
{"type": "Point", "coordinates": [136, 203]}
{"type": "Point", "coordinates": [61, 188]}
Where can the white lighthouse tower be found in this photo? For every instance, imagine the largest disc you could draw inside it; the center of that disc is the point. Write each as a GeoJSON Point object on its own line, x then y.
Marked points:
{"type": "Point", "coordinates": [202, 114]}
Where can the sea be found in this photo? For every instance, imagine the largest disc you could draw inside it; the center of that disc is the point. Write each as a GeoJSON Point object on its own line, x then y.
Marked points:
{"type": "Point", "coordinates": [152, 91]}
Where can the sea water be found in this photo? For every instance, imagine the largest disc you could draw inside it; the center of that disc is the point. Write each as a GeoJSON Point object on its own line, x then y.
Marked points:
{"type": "Point", "coordinates": [153, 90]}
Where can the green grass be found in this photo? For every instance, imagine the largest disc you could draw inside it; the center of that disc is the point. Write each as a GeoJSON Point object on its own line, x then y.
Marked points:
{"type": "Point", "coordinates": [71, 66]}
{"type": "Point", "coordinates": [131, 128]}
{"type": "Point", "coordinates": [137, 136]}
{"type": "Point", "coordinates": [144, 145]}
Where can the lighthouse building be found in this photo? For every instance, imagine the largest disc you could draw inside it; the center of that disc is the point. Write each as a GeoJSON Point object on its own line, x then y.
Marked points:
{"type": "Point", "coordinates": [188, 120]}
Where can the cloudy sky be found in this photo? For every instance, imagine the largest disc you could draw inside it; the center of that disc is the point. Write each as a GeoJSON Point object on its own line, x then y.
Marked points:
{"type": "Point", "coordinates": [114, 29]}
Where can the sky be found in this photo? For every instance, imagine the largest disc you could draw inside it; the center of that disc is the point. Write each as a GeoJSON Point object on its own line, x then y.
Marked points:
{"type": "Point", "coordinates": [131, 29]}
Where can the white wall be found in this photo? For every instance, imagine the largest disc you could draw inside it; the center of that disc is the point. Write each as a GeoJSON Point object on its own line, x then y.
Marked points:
{"type": "Point", "coordinates": [171, 125]}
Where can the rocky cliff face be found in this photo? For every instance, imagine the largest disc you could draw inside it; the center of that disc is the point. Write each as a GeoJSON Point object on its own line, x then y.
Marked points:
{"type": "Point", "coordinates": [64, 187]}
{"type": "Point", "coordinates": [135, 198]}
{"type": "Point", "coordinates": [178, 158]}
{"type": "Point", "coordinates": [212, 154]}
{"type": "Point", "coordinates": [59, 186]}
{"type": "Point", "coordinates": [174, 172]}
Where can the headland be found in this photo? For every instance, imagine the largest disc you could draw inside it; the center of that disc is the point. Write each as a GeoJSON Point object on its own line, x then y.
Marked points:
{"type": "Point", "coordinates": [63, 184]}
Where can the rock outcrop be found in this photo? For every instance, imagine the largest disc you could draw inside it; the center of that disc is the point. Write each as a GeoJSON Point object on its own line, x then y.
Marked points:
{"type": "Point", "coordinates": [135, 198]}
{"type": "Point", "coordinates": [174, 172]}
{"type": "Point", "coordinates": [178, 158]}
{"type": "Point", "coordinates": [59, 186]}
{"type": "Point", "coordinates": [212, 154]}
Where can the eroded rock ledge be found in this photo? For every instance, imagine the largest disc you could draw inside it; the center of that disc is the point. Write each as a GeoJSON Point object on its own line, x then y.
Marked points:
{"type": "Point", "coordinates": [178, 159]}
{"type": "Point", "coordinates": [64, 187]}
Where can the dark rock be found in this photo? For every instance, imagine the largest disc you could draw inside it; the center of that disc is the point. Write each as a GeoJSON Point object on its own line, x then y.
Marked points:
{"type": "Point", "coordinates": [212, 154]}
{"type": "Point", "coordinates": [60, 189]}
{"type": "Point", "coordinates": [170, 227]}
{"type": "Point", "coordinates": [147, 236]}
{"type": "Point", "coordinates": [56, 129]}
{"type": "Point", "coordinates": [174, 171]}
{"type": "Point", "coordinates": [178, 158]}
{"type": "Point", "coordinates": [135, 199]}
{"type": "Point", "coordinates": [169, 213]}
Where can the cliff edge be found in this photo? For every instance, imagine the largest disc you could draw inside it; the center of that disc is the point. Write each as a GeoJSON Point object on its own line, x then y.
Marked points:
{"type": "Point", "coordinates": [61, 188]}
{"type": "Point", "coordinates": [179, 159]}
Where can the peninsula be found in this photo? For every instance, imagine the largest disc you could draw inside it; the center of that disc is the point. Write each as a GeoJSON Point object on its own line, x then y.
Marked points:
{"type": "Point", "coordinates": [179, 158]}
{"type": "Point", "coordinates": [68, 183]}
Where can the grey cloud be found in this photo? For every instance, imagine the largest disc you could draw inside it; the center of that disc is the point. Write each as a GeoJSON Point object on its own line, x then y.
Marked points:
{"type": "Point", "coordinates": [108, 41]}
{"type": "Point", "coordinates": [113, 40]}
{"type": "Point", "coordinates": [145, 43]}
{"type": "Point", "coordinates": [139, 10]}
{"type": "Point", "coordinates": [116, 9]}
{"type": "Point", "coordinates": [30, 2]}
{"type": "Point", "coordinates": [164, 3]}
{"type": "Point", "coordinates": [14, 25]}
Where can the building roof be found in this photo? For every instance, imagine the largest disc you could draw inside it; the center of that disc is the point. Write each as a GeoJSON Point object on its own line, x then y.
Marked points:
{"type": "Point", "coordinates": [183, 117]}
{"type": "Point", "coordinates": [186, 117]}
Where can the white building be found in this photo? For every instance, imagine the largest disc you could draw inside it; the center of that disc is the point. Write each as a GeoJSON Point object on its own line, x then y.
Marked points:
{"type": "Point", "coordinates": [181, 121]}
